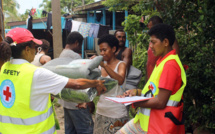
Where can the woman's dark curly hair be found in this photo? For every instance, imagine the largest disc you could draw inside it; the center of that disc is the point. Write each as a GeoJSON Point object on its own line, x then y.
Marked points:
{"type": "Point", "coordinates": [45, 46]}
{"type": "Point", "coordinates": [111, 40]}
{"type": "Point", "coordinates": [5, 51]}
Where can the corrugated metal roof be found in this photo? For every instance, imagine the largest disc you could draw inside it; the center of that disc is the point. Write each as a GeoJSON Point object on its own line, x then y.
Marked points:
{"type": "Point", "coordinates": [15, 23]}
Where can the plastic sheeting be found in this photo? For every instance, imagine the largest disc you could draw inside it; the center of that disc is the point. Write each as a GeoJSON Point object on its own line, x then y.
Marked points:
{"type": "Point", "coordinates": [81, 68]}
{"type": "Point", "coordinates": [85, 95]}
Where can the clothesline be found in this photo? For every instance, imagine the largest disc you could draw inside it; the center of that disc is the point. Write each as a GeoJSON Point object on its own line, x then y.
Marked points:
{"type": "Point", "coordinates": [87, 29]}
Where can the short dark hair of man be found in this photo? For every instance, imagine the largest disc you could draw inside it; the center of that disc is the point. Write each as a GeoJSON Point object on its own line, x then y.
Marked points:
{"type": "Point", "coordinates": [73, 37]}
{"type": "Point", "coordinates": [17, 50]}
{"type": "Point", "coordinates": [5, 51]}
{"type": "Point", "coordinates": [119, 30]}
{"type": "Point", "coordinates": [162, 31]}
{"type": "Point", "coordinates": [155, 20]}
{"type": "Point", "coordinates": [111, 40]}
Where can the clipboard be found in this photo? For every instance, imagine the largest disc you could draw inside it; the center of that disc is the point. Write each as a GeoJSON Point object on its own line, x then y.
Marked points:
{"type": "Point", "coordinates": [128, 100]}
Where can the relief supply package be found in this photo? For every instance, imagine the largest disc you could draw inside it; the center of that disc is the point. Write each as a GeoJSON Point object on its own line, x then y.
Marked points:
{"type": "Point", "coordinates": [85, 95]}
{"type": "Point", "coordinates": [80, 68]}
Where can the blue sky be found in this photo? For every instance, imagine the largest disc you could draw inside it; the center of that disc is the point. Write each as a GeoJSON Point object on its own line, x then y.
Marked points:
{"type": "Point", "coordinates": [28, 4]}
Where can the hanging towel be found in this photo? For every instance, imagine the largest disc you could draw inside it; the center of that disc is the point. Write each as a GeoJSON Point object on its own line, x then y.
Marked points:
{"type": "Point", "coordinates": [68, 25]}
{"type": "Point", "coordinates": [29, 22]}
{"type": "Point", "coordinates": [39, 13]}
{"type": "Point", "coordinates": [75, 25]}
{"type": "Point", "coordinates": [103, 30]}
{"type": "Point", "coordinates": [44, 13]}
{"type": "Point", "coordinates": [84, 29]}
{"type": "Point", "coordinates": [49, 21]}
{"type": "Point", "coordinates": [94, 29]}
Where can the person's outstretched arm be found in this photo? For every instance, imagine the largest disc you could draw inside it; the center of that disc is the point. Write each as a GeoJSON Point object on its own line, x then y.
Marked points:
{"type": "Point", "coordinates": [85, 83]}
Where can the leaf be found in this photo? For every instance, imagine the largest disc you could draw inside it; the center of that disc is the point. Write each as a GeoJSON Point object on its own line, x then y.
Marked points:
{"type": "Point", "coordinates": [201, 17]}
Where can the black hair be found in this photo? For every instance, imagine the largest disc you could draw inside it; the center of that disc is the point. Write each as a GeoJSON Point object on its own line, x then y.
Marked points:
{"type": "Point", "coordinates": [155, 20]}
{"type": "Point", "coordinates": [17, 50]}
{"type": "Point", "coordinates": [162, 31]}
{"type": "Point", "coordinates": [45, 46]}
{"type": "Point", "coordinates": [73, 37]}
{"type": "Point", "coordinates": [111, 40]}
{"type": "Point", "coordinates": [119, 30]}
{"type": "Point", "coordinates": [5, 51]}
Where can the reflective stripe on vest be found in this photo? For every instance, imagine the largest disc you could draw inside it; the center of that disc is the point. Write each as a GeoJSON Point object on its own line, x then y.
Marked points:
{"type": "Point", "coordinates": [146, 111]}
{"type": "Point", "coordinates": [50, 131]}
{"type": "Point", "coordinates": [172, 103]}
{"type": "Point", "coordinates": [28, 121]}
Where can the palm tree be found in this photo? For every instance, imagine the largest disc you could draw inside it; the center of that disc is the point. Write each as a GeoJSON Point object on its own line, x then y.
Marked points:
{"type": "Point", "coordinates": [64, 4]}
{"type": "Point", "coordinates": [46, 4]}
{"type": "Point", "coordinates": [10, 10]}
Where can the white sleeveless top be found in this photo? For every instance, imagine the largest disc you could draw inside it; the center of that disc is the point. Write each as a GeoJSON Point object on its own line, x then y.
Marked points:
{"type": "Point", "coordinates": [111, 109]}
{"type": "Point", "coordinates": [36, 61]}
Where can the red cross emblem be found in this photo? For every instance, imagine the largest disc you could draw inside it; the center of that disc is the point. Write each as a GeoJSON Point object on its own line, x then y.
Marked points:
{"type": "Point", "coordinates": [7, 93]}
{"type": "Point", "coordinates": [151, 87]}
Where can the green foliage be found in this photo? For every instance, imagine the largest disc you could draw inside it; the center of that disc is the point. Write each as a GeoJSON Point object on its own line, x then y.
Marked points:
{"type": "Point", "coordinates": [65, 5]}
{"type": "Point", "coordinates": [194, 24]}
{"type": "Point", "coordinates": [115, 5]}
{"type": "Point", "coordinates": [46, 5]}
{"type": "Point", "coordinates": [10, 10]}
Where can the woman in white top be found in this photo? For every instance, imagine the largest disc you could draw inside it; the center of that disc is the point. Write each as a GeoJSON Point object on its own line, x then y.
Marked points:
{"type": "Point", "coordinates": [41, 58]}
{"type": "Point", "coordinates": [110, 116]}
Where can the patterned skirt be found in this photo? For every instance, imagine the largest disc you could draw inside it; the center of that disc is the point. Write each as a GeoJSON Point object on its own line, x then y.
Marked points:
{"type": "Point", "coordinates": [131, 128]}
{"type": "Point", "coordinates": [107, 125]}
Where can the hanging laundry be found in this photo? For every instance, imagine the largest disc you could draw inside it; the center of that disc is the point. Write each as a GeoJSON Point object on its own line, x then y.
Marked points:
{"type": "Point", "coordinates": [75, 25]}
{"type": "Point", "coordinates": [33, 11]}
{"type": "Point", "coordinates": [29, 22]}
{"type": "Point", "coordinates": [68, 25]}
{"type": "Point", "coordinates": [39, 13]}
{"type": "Point", "coordinates": [103, 30]}
{"type": "Point", "coordinates": [44, 13]}
{"type": "Point", "coordinates": [49, 21]}
{"type": "Point", "coordinates": [84, 29]}
{"type": "Point", "coordinates": [94, 29]}
{"type": "Point", "coordinates": [99, 16]}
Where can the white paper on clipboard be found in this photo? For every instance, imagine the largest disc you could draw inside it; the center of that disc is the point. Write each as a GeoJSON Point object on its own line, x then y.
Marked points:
{"type": "Point", "coordinates": [127, 100]}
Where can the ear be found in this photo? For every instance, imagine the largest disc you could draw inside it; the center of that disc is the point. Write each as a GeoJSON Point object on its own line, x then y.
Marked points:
{"type": "Point", "coordinates": [27, 48]}
{"type": "Point", "coordinates": [76, 43]}
{"type": "Point", "coordinates": [114, 49]}
{"type": "Point", "coordinates": [166, 42]}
